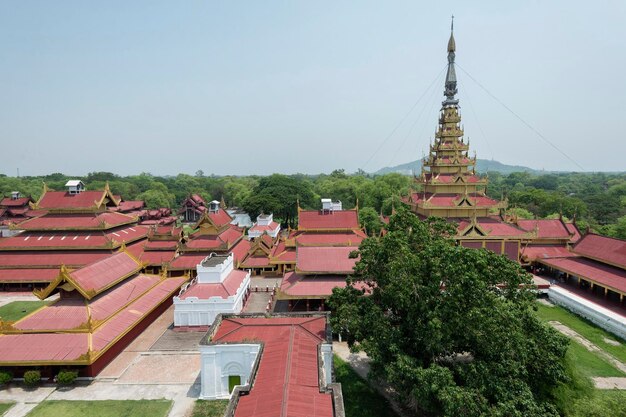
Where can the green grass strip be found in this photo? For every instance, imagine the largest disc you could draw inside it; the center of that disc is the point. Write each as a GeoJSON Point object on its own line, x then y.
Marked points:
{"type": "Point", "coordinates": [106, 408]}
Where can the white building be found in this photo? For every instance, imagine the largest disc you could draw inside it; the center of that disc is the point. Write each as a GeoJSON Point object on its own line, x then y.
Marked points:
{"type": "Point", "coordinates": [218, 288]}
{"type": "Point", "coordinates": [75, 186]}
{"type": "Point", "coordinates": [330, 205]}
{"type": "Point", "coordinates": [264, 224]}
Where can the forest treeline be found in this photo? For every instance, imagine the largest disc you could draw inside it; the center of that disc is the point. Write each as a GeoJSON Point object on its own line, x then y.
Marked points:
{"type": "Point", "coordinates": [595, 200]}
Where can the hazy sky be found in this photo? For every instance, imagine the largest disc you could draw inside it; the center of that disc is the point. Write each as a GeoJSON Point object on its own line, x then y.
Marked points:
{"type": "Point", "coordinates": [255, 87]}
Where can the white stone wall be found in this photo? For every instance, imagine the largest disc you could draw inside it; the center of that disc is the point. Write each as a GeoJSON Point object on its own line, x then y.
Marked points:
{"type": "Point", "coordinates": [596, 314]}
{"type": "Point", "coordinates": [217, 273]}
{"type": "Point", "coordinates": [218, 362]}
{"type": "Point", "coordinates": [193, 311]}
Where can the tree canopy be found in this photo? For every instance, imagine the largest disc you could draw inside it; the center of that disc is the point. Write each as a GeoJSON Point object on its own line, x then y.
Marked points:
{"type": "Point", "coordinates": [451, 328]}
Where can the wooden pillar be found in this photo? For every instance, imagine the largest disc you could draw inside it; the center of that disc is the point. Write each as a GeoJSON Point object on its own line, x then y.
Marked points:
{"type": "Point", "coordinates": [606, 292]}
{"type": "Point", "coordinates": [290, 305]}
{"type": "Point", "coordinates": [308, 305]}
{"type": "Point", "coordinates": [322, 304]}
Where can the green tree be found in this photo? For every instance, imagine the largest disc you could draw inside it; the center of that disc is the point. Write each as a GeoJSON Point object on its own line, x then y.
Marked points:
{"type": "Point", "coordinates": [369, 219]}
{"type": "Point", "coordinates": [451, 328]}
{"type": "Point", "coordinates": [282, 193]}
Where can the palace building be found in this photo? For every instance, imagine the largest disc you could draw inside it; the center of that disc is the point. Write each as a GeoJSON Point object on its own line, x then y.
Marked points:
{"type": "Point", "coordinates": [72, 228]}
{"type": "Point", "coordinates": [315, 258]}
{"type": "Point", "coordinates": [450, 188]}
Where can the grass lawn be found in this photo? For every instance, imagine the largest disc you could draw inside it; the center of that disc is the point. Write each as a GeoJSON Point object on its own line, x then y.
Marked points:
{"type": "Point", "coordinates": [590, 364]}
{"type": "Point", "coordinates": [4, 407]}
{"type": "Point", "coordinates": [108, 408]}
{"type": "Point", "coordinates": [214, 408]}
{"type": "Point", "coordinates": [584, 328]}
{"type": "Point", "coordinates": [359, 399]}
{"type": "Point", "coordinates": [18, 309]}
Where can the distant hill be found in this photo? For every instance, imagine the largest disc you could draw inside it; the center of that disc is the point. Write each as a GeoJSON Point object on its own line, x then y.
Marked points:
{"type": "Point", "coordinates": [482, 166]}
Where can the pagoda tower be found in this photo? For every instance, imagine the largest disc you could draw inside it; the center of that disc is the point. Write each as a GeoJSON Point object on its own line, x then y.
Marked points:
{"type": "Point", "coordinates": [449, 184]}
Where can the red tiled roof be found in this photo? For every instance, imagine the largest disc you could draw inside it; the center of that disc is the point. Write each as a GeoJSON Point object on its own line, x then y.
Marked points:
{"type": "Point", "coordinates": [126, 206]}
{"type": "Point", "coordinates": [224, 289]}
{"type": "Point", "coordinates": [605, 275]}
{"type": "Point", "coordinates": [101, 275]}
{"type": "Point", "coordinates": [286, 382]}
{"type": "Point", "coordinates": [240, 250]}
{"type": "Point", "coordinates": [19, 202]}
{"type": "Point", "coordinates": [532, 253]}
{"type": "Point", "coordinates": [18, 211]}
{"type": "Point", "coordinates": [42, 347]}
{"type": "Point", "coordinates": [67, 314]}
{"type": "Point", "coordinates": [73, 239]}
{"type": "Point", "coordinates": [98, 221]}
{"type": "Point", "coordinates": [264, 228]}
{"type": "Point", "coordinates": [28, 275]}
{"type": "Point", "coordinates": [161, 245]}
{"type": "Point", "coordinates": [220, 217]}
{"type": "Point", "coordinates": [65, 347]}
{"type": "Point", "coordinates": [325, 259]}
{"type": "Point", "coordinates": [135, 312]}
{"type": "Point", "coordinates": [156, 258]}
{"type": "Point", "coordinates": [309, 285]}
{"type": "Point", "coordinates": [546, 228]}
{"type": "Point", "coordinates": [225, 238]}
{"type": "Point", "coordinates": [342, 219]}
{"type": "Point", "coordinates": [282, 253]}
{"type": "Point", "coordinates": [494, 227]}
{"type": "Point", "coordinates": [51, 259]}
{"type": "Point", "coordinates": [63, 199]}
{"type": "Point", "coordinates": [604, 249]}
{"type": "Point", "coordinates": [187, 261]}
{"type": "Point", "coordinates": [353, 238]}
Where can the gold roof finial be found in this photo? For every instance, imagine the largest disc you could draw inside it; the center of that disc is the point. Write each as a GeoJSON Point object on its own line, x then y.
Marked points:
{"type": "Point", "coordinates": [451, 43]}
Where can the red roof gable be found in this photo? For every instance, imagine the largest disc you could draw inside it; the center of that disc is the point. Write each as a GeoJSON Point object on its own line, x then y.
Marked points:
{"type": "Point", "coordinates": [18, 202]}
{"type": "Point", "coordinates": [287, 381]}
{"type": "Point", "coordinates": [342, 219]}
{"type": "Point", "coordinates": [494, 227]}
{"type": "Point", "coordinates": [604, 249]}
{"type": "Point", "coordinates": [101, 275]}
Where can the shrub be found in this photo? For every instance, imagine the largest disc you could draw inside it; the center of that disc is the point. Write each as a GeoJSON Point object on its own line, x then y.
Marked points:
{"type": "Point", "coordinates": [32, 378]}
{"type": "Point", "coordinates": [66, 377]}
{"type": "Point", "coordinates": [5, 377]}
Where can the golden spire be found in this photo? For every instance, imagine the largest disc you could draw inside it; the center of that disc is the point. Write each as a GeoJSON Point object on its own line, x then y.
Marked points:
{"type": "Point", "coordinates": [451, 43]}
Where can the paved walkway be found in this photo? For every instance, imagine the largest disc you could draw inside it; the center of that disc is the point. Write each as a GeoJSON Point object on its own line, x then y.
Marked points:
{"type": "Point", "coordinates": [599, 382]}
{"type": "Point", "coordinates": [138, 372]}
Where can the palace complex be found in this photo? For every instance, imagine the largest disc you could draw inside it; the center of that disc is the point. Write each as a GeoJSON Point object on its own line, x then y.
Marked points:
{"type": "Point", "coordinates": [108, 267]}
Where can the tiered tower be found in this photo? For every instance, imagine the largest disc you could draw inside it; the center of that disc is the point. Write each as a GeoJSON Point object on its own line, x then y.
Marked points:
{"type": "Point", "coordinates": [449, 184]}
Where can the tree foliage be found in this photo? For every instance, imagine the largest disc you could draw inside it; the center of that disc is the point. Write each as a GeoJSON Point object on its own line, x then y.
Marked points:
{"type": "Point", "coordinates": [451, 328]}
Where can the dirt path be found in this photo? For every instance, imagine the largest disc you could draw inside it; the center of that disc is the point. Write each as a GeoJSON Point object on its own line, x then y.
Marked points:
{"type": "Point", "coordinates": [599, 382]}
{"type": "Point", "coordinates": [360, 363]}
